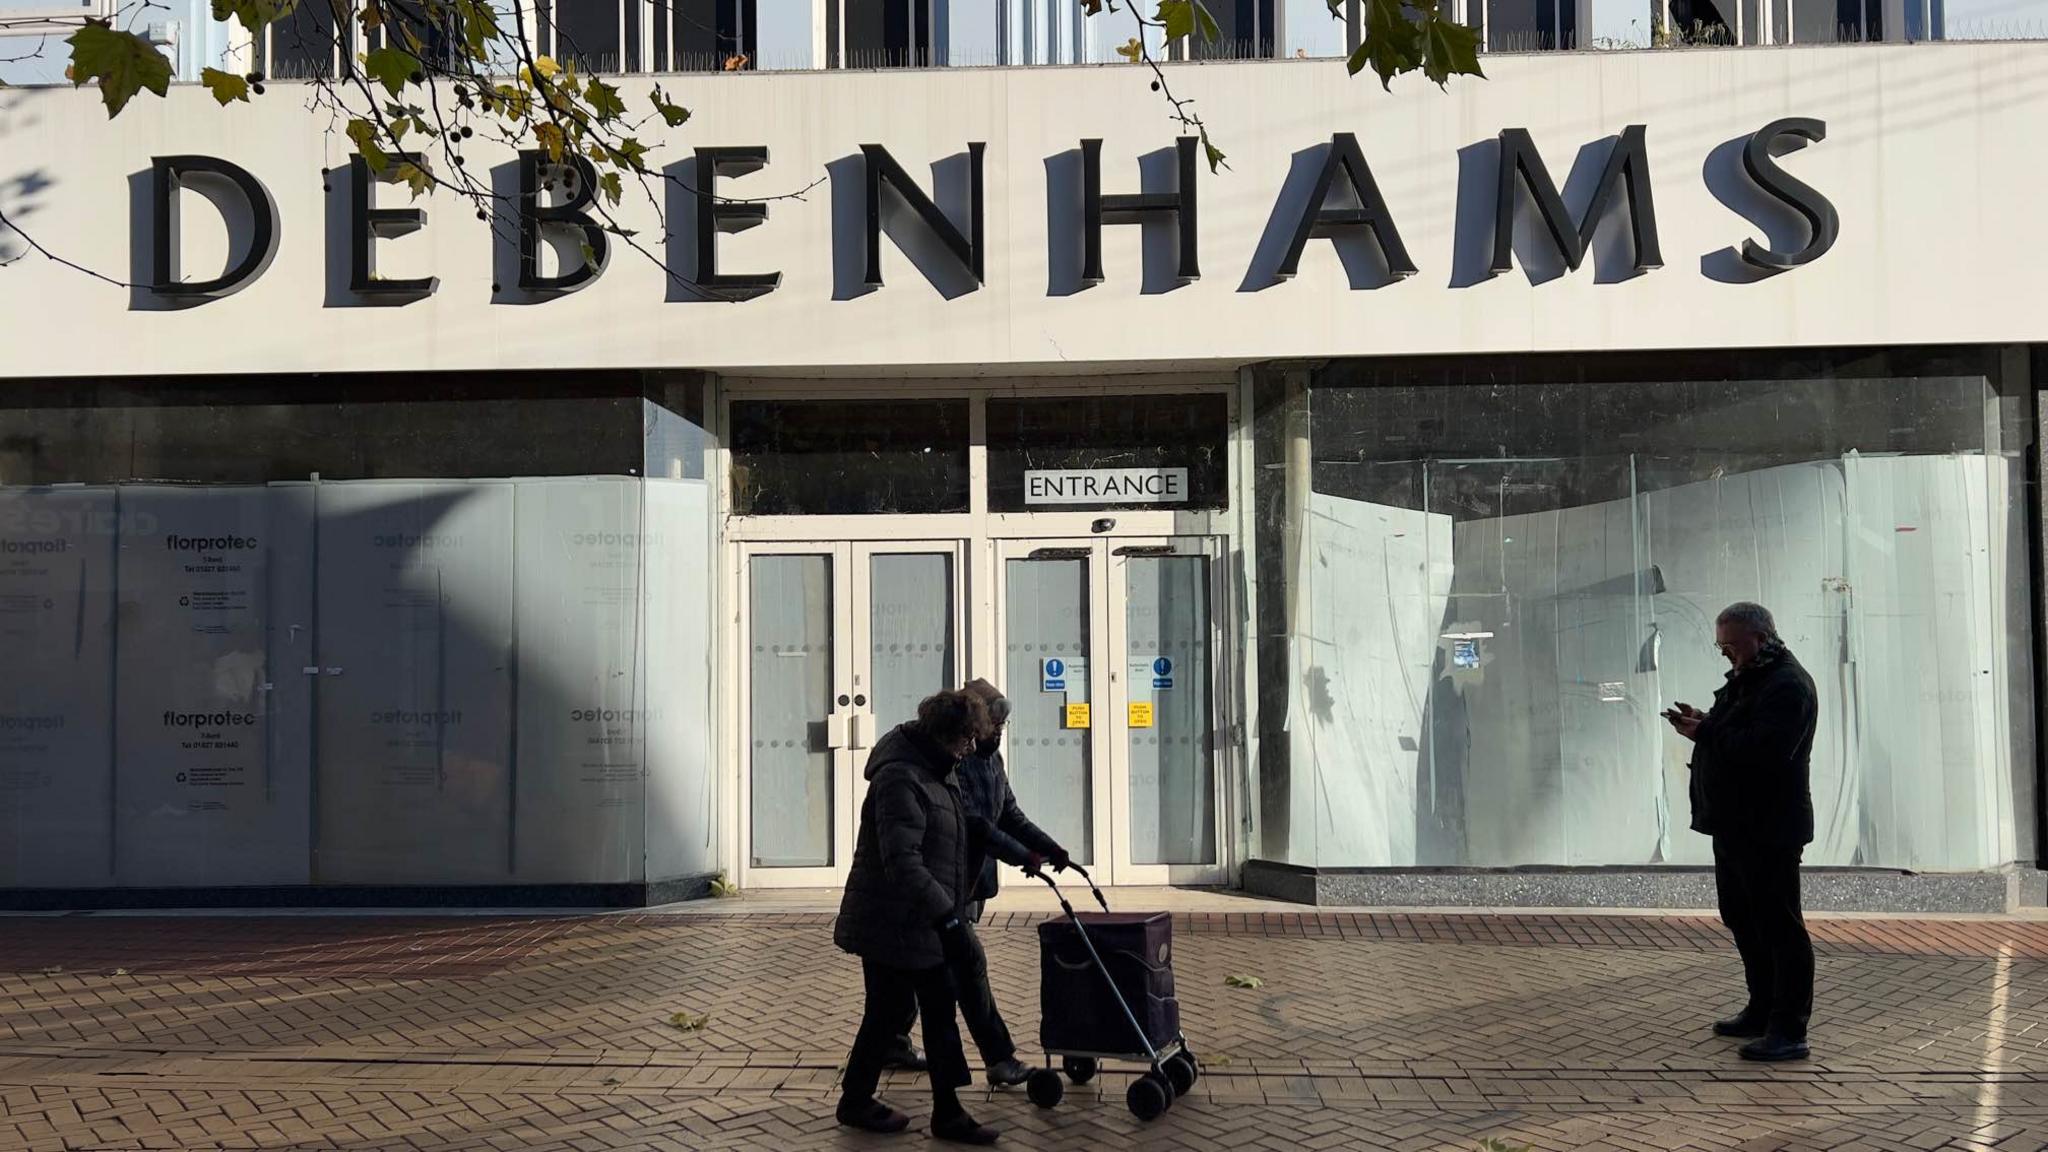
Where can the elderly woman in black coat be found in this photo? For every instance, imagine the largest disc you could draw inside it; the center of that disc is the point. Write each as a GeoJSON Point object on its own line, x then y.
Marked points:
{"type": "Point", "coordinates": [904, 913]}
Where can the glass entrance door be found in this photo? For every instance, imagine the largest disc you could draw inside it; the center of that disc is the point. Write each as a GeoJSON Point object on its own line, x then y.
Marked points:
{"type": "Point", "coordinates": [1109, 651]}
{"type": "Point", "coordinates": [839, 642]}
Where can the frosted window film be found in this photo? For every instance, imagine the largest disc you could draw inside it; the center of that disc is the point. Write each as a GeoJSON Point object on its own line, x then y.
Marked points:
{"type": "Point", "coordinates": [1050, 764]}
{"type": "Point", "coordinates": [789, 669]}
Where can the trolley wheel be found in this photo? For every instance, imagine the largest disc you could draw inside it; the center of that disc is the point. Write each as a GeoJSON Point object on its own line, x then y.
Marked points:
{"type": "Point", "coordinates": [1080, 1069]}
{"type": "Point", "coordinates": [1148, 1097]}
{"type": "Point", "coordinates": [1180, 1072]}
{"type": "Point", "coordinates": [1045, 1088]}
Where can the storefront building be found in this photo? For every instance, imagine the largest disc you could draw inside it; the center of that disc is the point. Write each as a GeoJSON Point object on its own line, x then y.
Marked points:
{"type": "Point", "coordinates": [1338, 532]}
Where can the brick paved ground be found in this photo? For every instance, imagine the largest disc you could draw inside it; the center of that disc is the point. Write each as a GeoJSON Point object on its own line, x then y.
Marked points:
{"type": "Point", "coordinates": [1379, 1031]}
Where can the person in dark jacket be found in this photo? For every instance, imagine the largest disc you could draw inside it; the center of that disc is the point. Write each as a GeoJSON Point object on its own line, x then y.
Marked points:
{"type": "Point", "coordinates": [905, 913]}
{"type": "Point", "coordinates": [1000, 831]}
{"type": "Point", "coordinates": [1750, 792]}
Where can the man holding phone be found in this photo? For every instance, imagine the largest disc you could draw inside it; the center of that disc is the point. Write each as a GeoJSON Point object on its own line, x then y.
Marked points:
{"type": "Point", "coordinates": [1750, 792]}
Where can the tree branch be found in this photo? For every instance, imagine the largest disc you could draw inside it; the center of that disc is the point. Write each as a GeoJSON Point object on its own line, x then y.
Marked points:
{"type": "Point", "coordinates": [8, 224]}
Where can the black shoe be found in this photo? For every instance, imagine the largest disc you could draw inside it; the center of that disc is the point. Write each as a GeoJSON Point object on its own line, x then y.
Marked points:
{"type": "Point", "coordinates": [960, 1128]}
{"type": "Point", "coordinates": [1746, 1025]}
{"type": "Point", "coordinates": [1008, 1073]}
{"type": "Point", "coordinates": [1772, 1049]}
{"type": "Point", "coordinates": [906, 1059]}
{"type": "Point", "coordinates": [871, 1116]}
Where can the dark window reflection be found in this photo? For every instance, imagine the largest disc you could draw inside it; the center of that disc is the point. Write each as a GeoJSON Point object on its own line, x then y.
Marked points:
{"type": "Point", "coordinates": [302, 44]}
{"type": "Point", "coordinates": [1089, 432]}
{"type": "Point", "coordinates": [887, 34]}
{"type": "Point", "coordinates": [589, 34]}
{"type": "Point", "coordinates": [1373, 444]}
{"type": "Point", "coordinates": [252, 431]}
{"type": "Point", "coordinates": [842, 457]}
{"type": "Point", "coordinates": [713, 35]}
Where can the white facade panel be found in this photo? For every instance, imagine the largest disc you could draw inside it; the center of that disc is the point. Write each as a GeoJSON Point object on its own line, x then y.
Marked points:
{"type": "Point", "coordinates": [1927, 160]}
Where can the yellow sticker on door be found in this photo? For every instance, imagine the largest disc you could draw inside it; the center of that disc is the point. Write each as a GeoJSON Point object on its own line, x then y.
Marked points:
{"type": "Point", "coordinates": [1141, 713]}
{"type": "Point", "coordinates": [1077, 715]}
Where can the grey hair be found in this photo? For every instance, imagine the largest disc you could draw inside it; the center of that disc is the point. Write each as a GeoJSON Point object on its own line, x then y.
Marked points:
{"type": "Point", "coordinates": [1754, 617]}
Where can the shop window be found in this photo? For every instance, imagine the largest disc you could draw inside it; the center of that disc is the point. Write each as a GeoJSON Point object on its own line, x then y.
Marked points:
{"type": "Point", "coordinates": [1507, 567]}
{"type": "Point", "coordinates": [885, 33]}
{"type": "Point", "coordinates": [1525, 25]}
{"type": "Point", "coordinates": [678, 35]}
{"type": "Point", "coordinates": [1244, 31]}
{"type": "Point", "coordinates": [728, 35]}
{"type": "Point", "coordinates": [1312, 32]}
{"type": "Point", "coordinates": [312, 630]}
{"type": "Point", "coordinates": [1835, 21]}
{"type": "Point", "coordinates": [591, 34]}
{"type": "Point", "coordinates": [303, 44]}
{"type": "Point", "coordinates": [847, 457]}
{"type": "Point", "coordinates": [1108, 435]}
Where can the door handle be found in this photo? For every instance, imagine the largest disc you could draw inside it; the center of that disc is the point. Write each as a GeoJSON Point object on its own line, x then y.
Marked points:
{"type": "Point", "coordinates": [836, 729]}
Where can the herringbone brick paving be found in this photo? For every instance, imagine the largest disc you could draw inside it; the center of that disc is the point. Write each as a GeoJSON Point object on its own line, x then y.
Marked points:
{"type": "Point", "coordinates": [1412, 1032]}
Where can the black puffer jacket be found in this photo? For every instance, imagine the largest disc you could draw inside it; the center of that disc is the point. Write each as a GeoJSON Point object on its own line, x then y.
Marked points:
{"type": "Point", "coordinates": [1000, 829]}
{"type": "Point", "coordinates": [911, 866]}
{"type": "Point", "coordinates": [1751, 761]}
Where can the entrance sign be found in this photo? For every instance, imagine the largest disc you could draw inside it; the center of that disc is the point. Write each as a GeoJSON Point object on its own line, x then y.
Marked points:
{"type": "Point", "coordinates": [1077, 715]}
{"type": "Point", "coordinates": [1106, 485]}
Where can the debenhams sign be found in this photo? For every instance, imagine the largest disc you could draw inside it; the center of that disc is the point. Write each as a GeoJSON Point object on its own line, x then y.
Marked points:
{"type": "Point", "coordinates": [570, 226]}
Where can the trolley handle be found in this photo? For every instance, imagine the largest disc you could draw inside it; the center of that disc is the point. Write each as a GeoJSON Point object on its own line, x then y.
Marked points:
{"type": "Point", "coordinates": [1046, 876]}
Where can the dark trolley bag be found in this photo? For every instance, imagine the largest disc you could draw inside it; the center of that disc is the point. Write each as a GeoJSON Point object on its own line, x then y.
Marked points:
{"type": "Point", "coordinates": [1106, 993]}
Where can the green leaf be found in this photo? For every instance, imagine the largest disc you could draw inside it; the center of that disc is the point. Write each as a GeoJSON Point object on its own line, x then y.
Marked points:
{"type": "Point", "coordinates": [613, 190]}
{"type": "Point", "coordinates": [479, 27]}
{"type": "Point", "coordinates": [122, 62]}
{"type": "Point", "coordinates": [689, 1023]}
{"type": "Point", "coordinates": [550, 137]}
{"type": "Point", "coordinates": [1178, 16]}
{"type": "Point", "coordinates": [1206, 23]}
{"type": "Point", "coordinates": [255, 15]}
{"type": "Point", "coordinates": [629, 153]}
{"type": "Point", "coordinates": [1244, 982]}
{"type": "Point", "coordinates": [225, 86]}
{"type": "Point", "coordinates": [364, 134]}
{"type": "Point", "coordinates": [416, 177]}
{"type": "Point", "coordinates": [1392, 43]}
{"type": "Point", "coordinates": [604, 101]}
{"type": "Point", "coordinates": [1132, 50]}
{"type": "Point", "coordinates": [391, 67]}
{"type": "Point", "coordinates": [1214, 154]}
{"type": "Point", "coordinates": [671, 115]}
{"type": "Point", "coordinates": [512, 103]}
{"type": "Point", "coordinates": [1449, 49]}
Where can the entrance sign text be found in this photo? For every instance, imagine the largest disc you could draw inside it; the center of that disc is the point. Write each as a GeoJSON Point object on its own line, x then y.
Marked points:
{"type": "Point", "coordinates": [1107, 486]}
